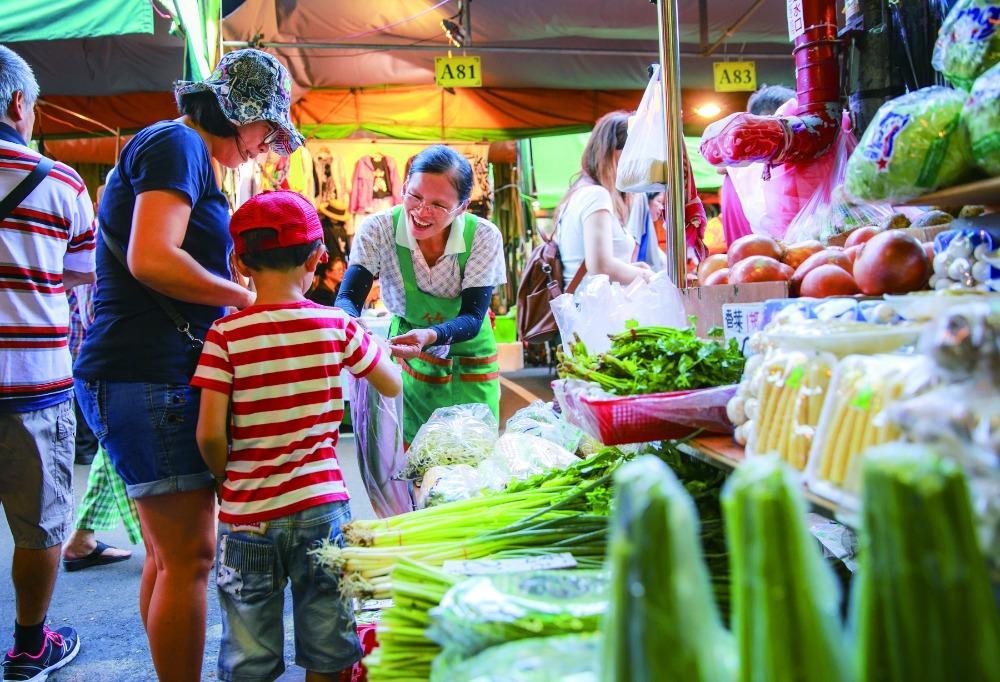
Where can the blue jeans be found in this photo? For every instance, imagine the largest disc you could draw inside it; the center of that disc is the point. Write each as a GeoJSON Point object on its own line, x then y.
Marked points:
{"type": "Point", "coordinates": [254, 563]}
{"type": "Point", "coordinates": [147, 430]}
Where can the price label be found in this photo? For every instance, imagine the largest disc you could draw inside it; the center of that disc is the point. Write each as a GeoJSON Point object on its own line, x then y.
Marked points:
{"type": "Point", "coordinates": [372, 604]}
{"type": "Point", "coordinates": [494, 566]}
{"type": "Point", "coordinates": [458, 72]}
{"type": "Point", "coordinates": [740, 321]}
{"type": "Point", "coordinates": [735, 76]}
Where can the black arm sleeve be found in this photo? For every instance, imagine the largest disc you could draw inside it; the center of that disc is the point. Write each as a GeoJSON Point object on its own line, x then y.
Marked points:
{"type": "Point", "coordinates": [475, 302]}
{"type": "Point", "coordinates": [354, 290]}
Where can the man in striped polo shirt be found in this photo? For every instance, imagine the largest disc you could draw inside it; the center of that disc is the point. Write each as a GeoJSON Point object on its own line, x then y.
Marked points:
{"type": "Point", "coordinates": [46, 247]}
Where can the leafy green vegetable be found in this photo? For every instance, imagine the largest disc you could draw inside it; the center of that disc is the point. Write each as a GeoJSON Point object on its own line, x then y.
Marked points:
{"type": "Point", "coordinates": [968, 42]}
{"type": "Point", "coordinates": [484, 611]}
{"type": "Point", "coordinates": [657, 360]}
{"type": "Point", "coordinates": [662, 622]}
{"type": "Point", "coordinates": [914, 145]}
{"type": "Point", "coordinates": [981, 118]}
{"type": "Point", "coordinates": [924, 609]}
{"type": "Point", "coordinates": [785, 600]}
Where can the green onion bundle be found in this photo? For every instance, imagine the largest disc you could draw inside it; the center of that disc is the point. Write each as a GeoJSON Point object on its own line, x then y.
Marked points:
{"type": "Point", "coordinates": [924, 609]}
{"type": "Point", "coordinates": [662, 621]}
{"type": "Point", "coordinates": [404, 653]}
{"type": "Point", "coordinates": [785, 599]}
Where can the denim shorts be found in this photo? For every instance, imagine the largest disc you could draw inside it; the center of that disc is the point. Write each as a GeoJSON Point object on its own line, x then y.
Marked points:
{"type": "Point", "coordinates": [253, 565]}
{"type": "Point", "coordinates": [36, 476]}
{"type": "Point", "coordinates": [148, 431]}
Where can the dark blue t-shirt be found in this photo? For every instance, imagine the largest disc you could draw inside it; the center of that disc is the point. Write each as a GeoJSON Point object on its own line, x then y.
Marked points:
{"type": "Point", "coordinates": [131, 338]}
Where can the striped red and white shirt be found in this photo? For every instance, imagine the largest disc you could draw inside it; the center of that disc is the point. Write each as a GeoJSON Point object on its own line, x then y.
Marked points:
{"type": "Point", "coordinates": [281, 366]}
{"type": "Point", "coordinates": [51, 231]}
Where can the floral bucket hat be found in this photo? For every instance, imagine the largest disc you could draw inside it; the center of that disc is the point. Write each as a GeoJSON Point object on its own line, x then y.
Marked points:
{"type": "Point", "coordinates": [251, 86]}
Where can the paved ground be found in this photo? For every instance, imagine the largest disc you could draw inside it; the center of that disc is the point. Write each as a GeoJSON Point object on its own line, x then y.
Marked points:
{"type": "Point", "coordinates": [102, 602]}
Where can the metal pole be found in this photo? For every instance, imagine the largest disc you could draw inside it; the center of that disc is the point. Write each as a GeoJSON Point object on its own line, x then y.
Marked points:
{"type": "Point", "coordinates": [670, 79]}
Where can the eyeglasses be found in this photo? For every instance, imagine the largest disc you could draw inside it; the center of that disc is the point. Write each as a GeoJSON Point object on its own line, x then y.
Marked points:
{"type": "Point", "coordinates": [436, 210]}
{"type": "Point", "coordinates": [272, 136]}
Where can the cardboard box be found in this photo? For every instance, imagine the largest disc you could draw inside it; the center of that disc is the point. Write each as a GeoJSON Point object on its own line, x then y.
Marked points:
{"type": "Point", "coordinates": [706, 302]}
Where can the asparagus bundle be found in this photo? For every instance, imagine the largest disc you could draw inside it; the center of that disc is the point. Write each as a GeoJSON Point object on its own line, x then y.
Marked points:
{"type": "Point", "coordinates": [785, 599]}
{"type": "Point", "coordinates": [924, 609]}
{"type": "Point", "coordinates": [404, 652]}
{"type": "Point", "coordinates": [662, 621]}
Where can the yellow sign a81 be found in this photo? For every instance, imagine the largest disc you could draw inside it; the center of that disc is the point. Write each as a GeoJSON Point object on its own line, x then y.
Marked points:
{"type": "Point", "coordinates": [458, 72]}
{"type": "Point", "coordinates": [735, 76]}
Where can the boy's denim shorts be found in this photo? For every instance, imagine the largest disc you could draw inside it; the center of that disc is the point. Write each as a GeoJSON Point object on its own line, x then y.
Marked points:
{"type": "Point", "coordinates": [148, 431]}
{"type": "Point", "coordinates": [253, 565]}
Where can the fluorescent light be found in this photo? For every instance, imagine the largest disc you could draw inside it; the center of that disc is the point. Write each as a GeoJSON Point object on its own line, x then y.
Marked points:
{"type": "Point", "coordinates": [708, 110]}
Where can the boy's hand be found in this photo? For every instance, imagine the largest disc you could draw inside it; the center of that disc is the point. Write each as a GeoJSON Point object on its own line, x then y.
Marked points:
{"type": "Point", "coordinates": [410, 344]}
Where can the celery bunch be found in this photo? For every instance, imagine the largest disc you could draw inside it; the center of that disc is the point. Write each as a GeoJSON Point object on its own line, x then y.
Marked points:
{"type": "Point", "coordinates": [924, 610]}
{"type": "Point", "coordinates": [662, 620]}
{"type": "Point", "coordinates": [785, 600]}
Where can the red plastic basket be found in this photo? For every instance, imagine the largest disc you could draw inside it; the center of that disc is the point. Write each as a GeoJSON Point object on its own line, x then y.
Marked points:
{"type": "Point", "coordinates": [642, 418]}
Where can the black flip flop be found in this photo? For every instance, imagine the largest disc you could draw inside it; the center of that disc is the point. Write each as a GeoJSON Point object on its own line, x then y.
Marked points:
{"type": "Point", "coordinates": [95, 558]}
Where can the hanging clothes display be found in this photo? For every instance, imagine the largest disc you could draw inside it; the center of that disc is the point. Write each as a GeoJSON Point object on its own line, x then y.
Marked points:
{"type": "Point", "coordinates": [328, 169]}
{"type": "Point", "coordinates": [376, 184]}
{"type": "Point", "coordinates": [300, 176]}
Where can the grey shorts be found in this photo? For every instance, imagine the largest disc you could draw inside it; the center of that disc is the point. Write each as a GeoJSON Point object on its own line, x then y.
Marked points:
{"type": "Point", "coordinates": [36, 474]}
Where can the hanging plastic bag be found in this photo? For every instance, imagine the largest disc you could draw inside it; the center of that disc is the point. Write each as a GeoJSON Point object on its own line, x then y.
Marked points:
{"type": "Point", "coordinates": [641, 166]}
{"type": "Point", "coordinates": [378, 433]}
{"type": "Point", "coordinates": [603, 308]}
{"type": "Point", "coordinates": [830, 211]}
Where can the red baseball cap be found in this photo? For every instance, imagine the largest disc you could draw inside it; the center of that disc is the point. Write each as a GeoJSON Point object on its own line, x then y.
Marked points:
{"type": "Point", "coordinates": [290, 214]}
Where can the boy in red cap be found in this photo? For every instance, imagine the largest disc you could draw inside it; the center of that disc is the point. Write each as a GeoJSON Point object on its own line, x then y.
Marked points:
{"type": "Point", "coordinates": [271, 405]}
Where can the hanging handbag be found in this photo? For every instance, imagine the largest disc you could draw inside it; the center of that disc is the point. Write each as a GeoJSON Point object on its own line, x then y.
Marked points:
{"type": "Point", "coordinates": [541, 281]}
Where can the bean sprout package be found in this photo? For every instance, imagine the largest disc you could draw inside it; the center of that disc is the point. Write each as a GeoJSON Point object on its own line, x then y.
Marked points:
{"type": "Point", "coordinates": [460, 434]}
{"type": "Point", "coordinates": [968, 43]}
{"type": "Point", "coordinates": [981, 118]}
{"type": "Point", "coordinates": [914, 145]}
{"type": "Point", "coordinates": [604, 308]}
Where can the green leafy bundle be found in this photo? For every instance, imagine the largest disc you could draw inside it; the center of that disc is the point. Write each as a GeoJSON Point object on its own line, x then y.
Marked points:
{"type": "Point", "coordinates": [924, 610]}
{"type": "Point", "coordinates": [646, 360]}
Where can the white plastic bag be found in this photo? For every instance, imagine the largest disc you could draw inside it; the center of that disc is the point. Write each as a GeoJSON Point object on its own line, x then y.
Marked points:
{"type": "Point", "coordinates": [641, 167]}
{"type": "Point", "coordinates": [459, 434]}
{"type": "Point", "coordinates": [602, 308]}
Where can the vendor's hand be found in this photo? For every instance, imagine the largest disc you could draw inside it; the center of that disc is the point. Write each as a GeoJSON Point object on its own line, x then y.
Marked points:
{"type": "Point", "coordinates": [410, 344]}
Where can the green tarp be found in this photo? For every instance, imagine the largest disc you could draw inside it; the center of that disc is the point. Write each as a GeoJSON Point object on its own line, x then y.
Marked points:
{"type": "Point", "coordinates": [24, 20]}
{"type": "Point", "coordinates": [557, 158]}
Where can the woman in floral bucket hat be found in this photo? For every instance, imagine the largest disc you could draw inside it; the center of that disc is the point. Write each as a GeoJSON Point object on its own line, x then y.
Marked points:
{"type": "Point", "coordinates": [163, 278]}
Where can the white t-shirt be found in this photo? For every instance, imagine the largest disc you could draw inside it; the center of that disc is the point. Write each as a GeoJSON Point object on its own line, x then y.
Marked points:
{"type": "Point", "coordinates": [584, 202]}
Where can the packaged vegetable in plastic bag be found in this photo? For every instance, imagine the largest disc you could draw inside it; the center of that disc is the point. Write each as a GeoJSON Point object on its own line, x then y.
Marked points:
{"type": "Point", "coordinates": [981, 117]}
{"type": "Point", "coordinates": [450, 483]}
{"type": "Point", "coordinates": [968, 43]}
{"type": "Point", "coordinates": [785, 598]}
{"type": "Point", "coordinates": [565, 658]}
{"type": "Point", "coordinates": [518, 456]}
{"type": "Point", "coordinates": [540, 419]}
{"type": "Point", "coordinates": [830, 211]}
{"type": "Point", "coordinates": [914, 145]}
{"type": "Point", "coordinates": [923, 608]}
{"type": "Point", "coordinates": [484, 611]}
{"type": "Point", "coordinates": [460, 434]}
{"type": "Point", "coordinates": [662, 621]}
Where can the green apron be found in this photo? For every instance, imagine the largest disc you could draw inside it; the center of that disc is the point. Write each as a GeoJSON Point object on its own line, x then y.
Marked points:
{"type": "Point", "coordinates": [470, 373]}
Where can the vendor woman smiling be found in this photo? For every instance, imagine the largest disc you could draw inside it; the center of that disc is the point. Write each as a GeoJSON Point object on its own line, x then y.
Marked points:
{"type": "Point", "coordinates": [437, 266]}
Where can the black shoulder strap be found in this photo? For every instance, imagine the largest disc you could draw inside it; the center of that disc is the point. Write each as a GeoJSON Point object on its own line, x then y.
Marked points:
{"type": "Point", "coordinates": [25, 187]}
{"type": "Point", "coordinates": [183, 326]}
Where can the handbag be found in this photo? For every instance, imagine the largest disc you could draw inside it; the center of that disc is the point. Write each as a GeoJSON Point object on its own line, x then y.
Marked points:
{"type": "Point", "coordinates": [182, 325]}
{"type": "Point", "coordinates": [541, 281]}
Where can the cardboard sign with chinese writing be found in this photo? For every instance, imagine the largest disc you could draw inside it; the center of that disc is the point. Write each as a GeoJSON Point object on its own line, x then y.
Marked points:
{"type": "Point", "coordinates": [735, 76]}
{"type": "Point", "coordinates": [458, 72]}
{"type": "Point", "coordinates": [740, 321]}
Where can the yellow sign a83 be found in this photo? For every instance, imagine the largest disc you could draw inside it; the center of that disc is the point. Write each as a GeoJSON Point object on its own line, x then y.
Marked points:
{"type": "Point", "coordinates": [735, 76]}
{"type": "Point", "coordinates": [458, 72]}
